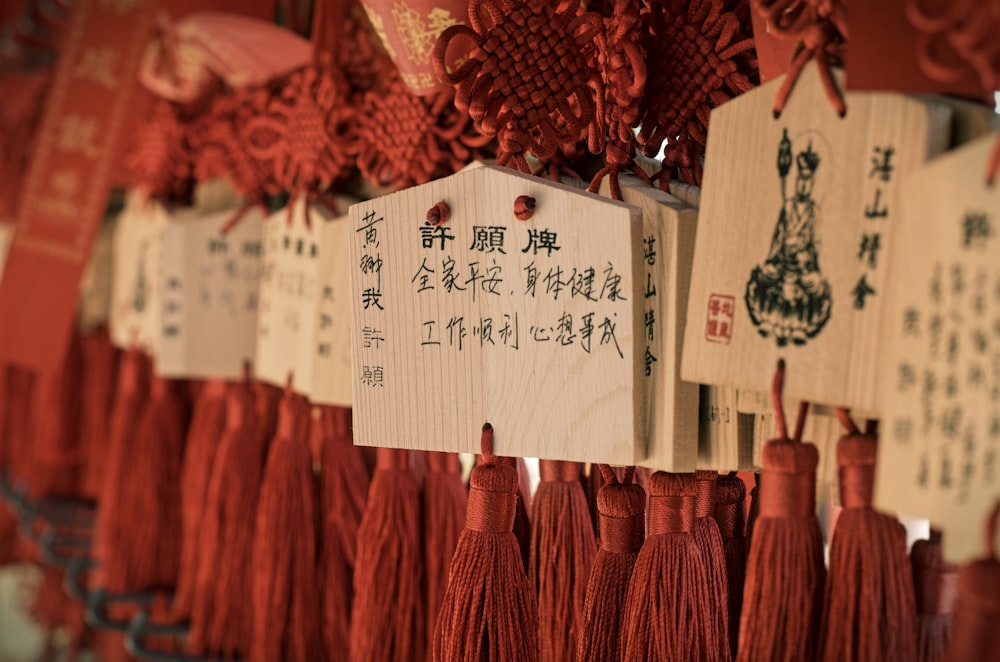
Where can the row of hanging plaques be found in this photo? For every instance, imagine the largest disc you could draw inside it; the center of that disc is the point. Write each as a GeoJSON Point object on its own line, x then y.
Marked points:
{"type": "Point", "coordinates": [580, 327]}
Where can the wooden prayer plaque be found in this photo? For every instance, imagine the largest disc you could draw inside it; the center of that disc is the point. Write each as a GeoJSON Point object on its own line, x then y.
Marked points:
{"type": "Point", "coordinates": [95, 286]}
{"type": "Point", "coordinates": [667, 248]}
{"type": "Point", "coordinates": [136, 309]}
{"type": "Point", "coordinates": [331, 375]}
{"type": "Point", "coordinates": [795, 219]}
{"type": "Point", "coordinates": [289, 295]}
{"type": "Point", "coordinates": [532, 325]}
{"type": "Point", "coordinates": [939, 455]}
{"type": "Point", "coordinates": [210, 283]}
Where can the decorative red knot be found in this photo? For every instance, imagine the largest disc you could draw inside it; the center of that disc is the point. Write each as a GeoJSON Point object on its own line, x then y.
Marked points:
{"type": "Point", "coordinates": [700, 55]}
{"type": "Point", "coordinates": [532, 78]}
{"type": "Point", "coordinates": [438, 214]}
{"type": "Point", "coordinates": [289, 133]}
{"type": "Point", "coordinates": [957, 37]}
{"type": "Point", "coordinates": [821, 29]}
{"type": "Point", "coordinates": [524, 207]}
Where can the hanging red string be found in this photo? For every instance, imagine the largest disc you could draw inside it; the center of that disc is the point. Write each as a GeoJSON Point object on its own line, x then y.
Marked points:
{"type": "Point", "coordinates": [820, 26]}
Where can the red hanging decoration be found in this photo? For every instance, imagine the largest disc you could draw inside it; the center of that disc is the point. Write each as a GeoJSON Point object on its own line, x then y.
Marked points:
{"type": "Point", "coordinates": [343, 496]}
{"type": "Point", "coordinates": [959, 35]}
{"type": "Point", "coordinates": [974, 635]}
{"type": "Point", "coordinates": [222, 601]}
{"type": "Point", "coordinates": [664, 618]}
{"type": "Point", "coordinates": [208, 420]}
{"type": "Point", "coordinates": [820, 26]}
{"type": "Point", "coordinates": [489, 610]}
{"type": "Point", "coordinates": [388, 618]}
{"type": "Point", "coordinates": [554, 96]}
{"type": "Point", "coordinates": [702, 55]}
{"type": "Point", "coordinates": [285, 588]}
{"type": "Point", "coordinates": [935, 584]}
{"type": "Point", "coordinates": [288, 131]}
{"type": "Point", "coordinates": [623, 68]}
{"type": "Point", "coordinates": [869, 610]}
{"type": "Point", "coordinates": [563, 547]}
{"type": "Point", "coordinates": [783, 593]}
{"type": "Point", "coordinates": [100, 369]}
{"type": "Point", "coordinates": [730, 514]}
{"type": "Point", "coordinates": [715, 592]}
{"type": "Point", "coordinates": [622, 508]}
{"type": "Point", "coordinates": [444, 508]}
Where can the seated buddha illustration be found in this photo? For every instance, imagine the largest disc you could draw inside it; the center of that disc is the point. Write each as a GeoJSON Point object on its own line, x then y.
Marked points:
{"type": "Point", "coordinates": [787, 296]}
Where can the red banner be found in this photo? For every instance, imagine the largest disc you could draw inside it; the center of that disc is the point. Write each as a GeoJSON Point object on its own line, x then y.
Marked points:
{"type": "Point", "coordinates": [68, 180]}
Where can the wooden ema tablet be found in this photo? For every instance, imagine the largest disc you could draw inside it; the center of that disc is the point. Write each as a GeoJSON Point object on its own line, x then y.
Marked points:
{"type": "Point", "coordinates": [210, 283]}
{"type": "Point", "coordinates": [490, 318]}
{"type": "Point", "coordinates": [939, 455]}
{"type": "Point", "coordinates": [791, 255]}
{"type": "Point", "coordinates": [668, 230]}
{"type": "Point", "coordinates": [724, 437]}
{"type": "Point", "coordinates": [331, 376]}
{"type": "Point", "coordinates": [6, 234]}
{"type": "Point", "coordinates": [289, 296]}
{"type": "Point", "coordinates": [95, 286]}
{"type": "Point", "coordinates": [136, 301]}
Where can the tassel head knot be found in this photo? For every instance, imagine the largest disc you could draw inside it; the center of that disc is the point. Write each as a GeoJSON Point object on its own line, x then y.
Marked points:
{"type": "Point", "coordinates": [622, 517]}
{"type": "Point", "coordinates": [492, 499]}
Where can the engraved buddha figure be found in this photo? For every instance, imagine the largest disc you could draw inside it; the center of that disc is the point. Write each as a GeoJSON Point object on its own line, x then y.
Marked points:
{"type": "Point", "coordinates": [787, 296]}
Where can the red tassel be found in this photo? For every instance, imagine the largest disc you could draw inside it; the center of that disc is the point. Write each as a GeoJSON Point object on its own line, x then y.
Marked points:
{"type": "Point", "coordinates": [112, 540]}
{"type": "Point", "coordinates": [975, 635]}
{"type": "Point", "coordinates": [935, 584]}
{"type": "Point", "coordinates": [563, 547]}
{"type": "Point", "coordinates": [754, 508]}
{"type": "Point", "coordinates": [522, 517]}
{"type": "Point", "coordinates": [18, 423]}
{"type": "Point", "coordinates": [344, 492]}
{"type": "Point", "coordinates": [100, 369]}
{"type": "Point", "coordinates": [54, 469]}
{"type": "Point", "coordinates": [285, 588]}
{"type": "Point", "coordinates": [783, 592]}
{"type": "Point", "coordinates": [489, 611]}
{"type": "Point", "coordinates": [664, 619]}
{"type": "Point", "coordinates": [221, 608]}
{"type": "Point", "coordinates": [445, 502]}
{"type": "Point", "coordinates": [267, 399]}
{"type": "Point", "coordinates": [152, 485]}
{"type": "Point", "coordinates": [621, 508]}
{"type": "Point", "coordinates": [388, 622]}
{"type": "Point", "coordinates": [869, 610]}
{"type": "Point", "coordinates": [730, 514]}
{"type": "Point", "coordinates": [592, 485]}
{"type": "Point", "coordinates": [714, 593]}
{"type": "Point", "coordinates": [139, 520]}
{"type": "Point", "coordinates": [207, 424]}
